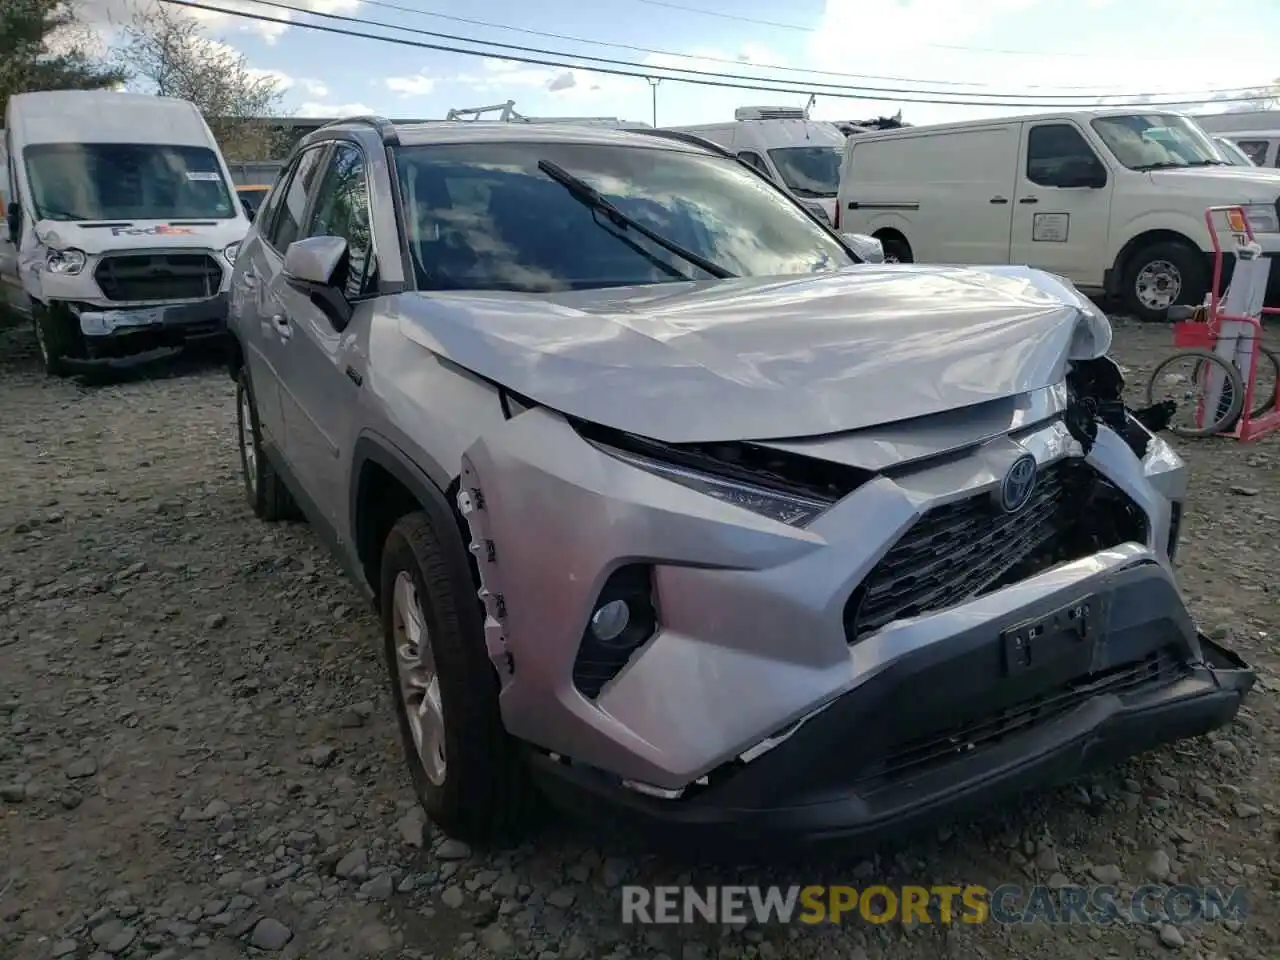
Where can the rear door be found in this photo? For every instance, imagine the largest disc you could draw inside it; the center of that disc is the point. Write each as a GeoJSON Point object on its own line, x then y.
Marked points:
{"type": "Point", "coordinates": [1063, 212]}
{"type": "Point", "coordinates": [321, 383]}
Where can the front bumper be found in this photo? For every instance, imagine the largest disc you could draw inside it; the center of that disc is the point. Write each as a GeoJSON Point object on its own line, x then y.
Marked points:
{"type": "Point", "coordinates": [131, 337]}
{"type": "Point", "coordinates": [835, 778]}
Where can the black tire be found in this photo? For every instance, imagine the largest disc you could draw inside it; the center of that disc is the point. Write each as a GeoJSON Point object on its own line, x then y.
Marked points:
{"type": "Point", "coordinates": [1188, 270]}
{"type": "Point", "coordinates": [1265, 390]}
{"type": "Point", "coordinates": [896, 249]}
{"type": "Point", "coordinates": [268, 497]}
{"type": "Point", "coordinates": [57, 338]}
{"type": "Point", "coordinates": [1228, 413]}
{"type": "Point", "coordinates": [486, 794]}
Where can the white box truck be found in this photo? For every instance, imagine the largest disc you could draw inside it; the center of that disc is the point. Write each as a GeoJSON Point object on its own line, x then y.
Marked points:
{"type": "Point", "coordinates": [123, 222]}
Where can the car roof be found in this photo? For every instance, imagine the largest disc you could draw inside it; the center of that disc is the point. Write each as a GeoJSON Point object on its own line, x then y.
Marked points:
{"type": "Point", "coordinates": [479, 131]}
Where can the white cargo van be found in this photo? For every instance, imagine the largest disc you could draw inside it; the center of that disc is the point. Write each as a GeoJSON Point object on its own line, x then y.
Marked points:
{"type": "Point", "coordinates": [1112, 200]}
{"type": "Point", "coordinates": [125, 225]}
{"type": "Point", "coordinates": [802, 156]}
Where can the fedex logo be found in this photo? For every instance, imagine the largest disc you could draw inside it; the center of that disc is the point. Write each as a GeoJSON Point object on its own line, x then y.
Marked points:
{"type": "Point", "coordinates": [163, 230]}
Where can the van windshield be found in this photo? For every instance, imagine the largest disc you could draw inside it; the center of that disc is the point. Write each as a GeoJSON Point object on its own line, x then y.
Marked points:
{"type": "Point", "coordinates": [126, 181]}
{"type": "Point", "coordinates": [1157, 141]}
{"type": "Point", "coordinates": [809, 171]}
{"type": "Point", "coordinates": [486, 216]}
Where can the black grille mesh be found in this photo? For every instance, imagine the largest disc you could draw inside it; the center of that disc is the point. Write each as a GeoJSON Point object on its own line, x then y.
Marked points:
{"type": "Point", "coordinates": [965, 549]}
{"type": "Point", "coordinates": [158, 276]}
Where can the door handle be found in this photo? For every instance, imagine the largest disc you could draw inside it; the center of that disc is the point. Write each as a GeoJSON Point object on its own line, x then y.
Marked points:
{"type": "Point", "coordinates": [999, 200]}
{"type": "Point", "coordinates": [282, 327]}
{"type": "Point", "coordinates": [1029, 200]}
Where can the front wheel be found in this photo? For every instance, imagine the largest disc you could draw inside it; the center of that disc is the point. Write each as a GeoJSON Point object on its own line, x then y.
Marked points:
{"type": "Point", "coordinates": [1185, 377]}
{"type": "Point", "coordinates": [57, 337]}
{"type": "Point", "coordinates": [896, 249]}
{"type": "Point", "coordinates": [465, 768]}
{"type": "Point", "coordinates": [1163, 275]}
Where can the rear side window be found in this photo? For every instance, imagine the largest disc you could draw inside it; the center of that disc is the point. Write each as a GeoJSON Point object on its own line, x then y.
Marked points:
{"type": "Point", "coordinates": [484, 217]}
{"type": "Point", "coordinates": [1255, 150]}
{"type": "Point", "coordinates": [293, 202]}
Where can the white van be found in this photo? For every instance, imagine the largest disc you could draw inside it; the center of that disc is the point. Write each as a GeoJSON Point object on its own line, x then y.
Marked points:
{"type": "Point", "coordinates": [1112, 200]}
{"type": "Point", "coordinates": [125, 224]}
{"type": "Point", "coordinates": [802, 156]}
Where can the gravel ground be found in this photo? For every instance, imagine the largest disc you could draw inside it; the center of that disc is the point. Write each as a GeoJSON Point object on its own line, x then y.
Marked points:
{"type": "Point", "coordinates": [198, 757]}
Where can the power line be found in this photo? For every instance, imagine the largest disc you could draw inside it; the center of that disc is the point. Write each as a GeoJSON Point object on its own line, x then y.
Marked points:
{"type": "Point", "coordinates": [641, 72]}
{"type": "Point", "coordinates": [802, 29]}
{"type": "Point", "coordinates": [570, 38]}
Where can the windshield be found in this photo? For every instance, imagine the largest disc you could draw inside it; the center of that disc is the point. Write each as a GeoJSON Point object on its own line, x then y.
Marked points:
{"type": "Point", "coordinates": [1232, 154]}
{"type": "Point", "coordinates": [809, 171]}
{"type": "Point", "coordinates": [1150, 141]}
{"type": "Point", "coordinates": [125, 181]}
{"type": "Point", "coordinates": [485, 217]}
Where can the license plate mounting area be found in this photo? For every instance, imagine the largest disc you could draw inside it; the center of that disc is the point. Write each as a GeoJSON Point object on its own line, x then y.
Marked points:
{"type": "Point", "coordinates": [1069, 632]}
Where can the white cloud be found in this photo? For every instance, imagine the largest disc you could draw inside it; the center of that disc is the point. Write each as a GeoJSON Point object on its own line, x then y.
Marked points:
{"type": "Point", "coordinates": [111, 14]}
{"type": "Point", "coordinates": [416, 85]}
{"type": "Point", "coordinates": [314, 87]}
{"type": "Point", "coordinates": [281, 79]}
{"type": "Point", "coordinates": [328, 110]}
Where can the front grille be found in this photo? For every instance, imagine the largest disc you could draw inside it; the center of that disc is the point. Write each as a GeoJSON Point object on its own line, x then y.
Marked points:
{"type": "Point", "coordinates": [1157, 670]}
{"type": "Point", "coordinates": [969, 548]}
{"type": "Point", "coordinates": [158, 276]}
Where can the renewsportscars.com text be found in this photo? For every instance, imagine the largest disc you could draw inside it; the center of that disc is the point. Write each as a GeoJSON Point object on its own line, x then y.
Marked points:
{"type": "Point", "coordinates": [1006, 904]}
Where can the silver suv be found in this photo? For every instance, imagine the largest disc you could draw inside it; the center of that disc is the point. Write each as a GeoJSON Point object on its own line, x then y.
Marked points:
{"type": "Point", "coordinates": [672, 508]}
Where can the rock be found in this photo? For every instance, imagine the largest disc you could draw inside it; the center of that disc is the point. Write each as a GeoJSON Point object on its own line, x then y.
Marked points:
{"type": "Point", "coordinates": [1171, 936]}
{"type": "Point", "coordinates": [213, 810]}
{"type": "Point", "coordinates": [1108, 874]}
{"type": "Point", "coordinates": [411, 827]}
{"type": "Point", "coordinates": [354, 864]}
{"type": "Point", "coordinates": [453, 897]}
{"type": "Point", "coordinates": [451, 849]}
{"type": "Point", "coordinates": [1247, 810]}
{"type": "Point", "coordinates": [614, 871]}
{"type": "Point", "coordinates": [321, 755]}
{"type": "Point", "coordinates": [13, 792]}
{"type": "Point", "coordinates": [1047, 860]}
{"type": "Point", "coordinates": [121, 941]}
{"type": "Point", "coordinates": [1245, 491]}
{"type": "Point", "coordinates": [505, 886]}
{"type": "Point", "coordinates": [270, 934]}
{"type": "Point", "coordinates": [1157, 866]}
{"type": "Point", "coordinates": [215, 621]}
{"type": "Point", "coordinates": [379, 888]}
{"type": "Point", "coordinates": [105, 932]}
{"type": "Point", "coordinates": [497, 941]}
{"type": "Point", "coordinates": [1225, 748]}
{"type": "Point", "coordinates": [562, 898]}
{"type": "Point", "coordinates": [64, 948]}
{"type": "Point", "coordinates": [79, 769]}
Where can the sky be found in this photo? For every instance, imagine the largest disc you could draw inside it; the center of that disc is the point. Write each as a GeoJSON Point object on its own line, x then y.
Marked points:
{"type": "Point", "coordinates": [977, 50]}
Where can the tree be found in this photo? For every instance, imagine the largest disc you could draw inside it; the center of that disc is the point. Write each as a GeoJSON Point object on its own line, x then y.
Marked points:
{"type": "Point", "coordinates": [166, 52]}
{"type": "Point", "coordinates": [41, 49]}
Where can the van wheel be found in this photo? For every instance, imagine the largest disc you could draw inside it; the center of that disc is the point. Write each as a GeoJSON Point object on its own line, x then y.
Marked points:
{"type": "Point", "coordinates": [56, 338]}
{"type": "Point", "coordinates": [1161, 275]}
{"type": "Point", "coordinates": [896, 249]}
{"type": "Point", "coordinates": [466, 769]}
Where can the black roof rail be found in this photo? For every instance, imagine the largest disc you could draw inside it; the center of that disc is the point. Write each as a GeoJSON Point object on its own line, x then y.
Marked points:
{"type": "Point", "coordinates": [386, 129]}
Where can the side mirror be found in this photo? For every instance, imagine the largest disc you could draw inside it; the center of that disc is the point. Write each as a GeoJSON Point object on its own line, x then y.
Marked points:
{"type": "Point", "coordinates": [312, 266]}
{"type": "Point", "coordinates": [13, 219]}
{"type": "Point", "coordinates": [248, 212]}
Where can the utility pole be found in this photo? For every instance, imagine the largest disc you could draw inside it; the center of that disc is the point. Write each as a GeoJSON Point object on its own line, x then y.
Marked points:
{"type": "Point", "coordinates": [653, 85]}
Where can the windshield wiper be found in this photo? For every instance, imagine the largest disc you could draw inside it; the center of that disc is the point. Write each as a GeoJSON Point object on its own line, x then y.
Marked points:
{"type": "Point", "coordinates": [53, 213]}
{"type": "Point", "coordinates": [588, 196]}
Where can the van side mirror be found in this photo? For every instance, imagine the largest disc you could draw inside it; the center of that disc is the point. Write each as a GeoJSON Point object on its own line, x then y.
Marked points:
{"type": "Point", "coordinates": [13, 220]}
{"type": "Point", "coordinates": [313, 266]}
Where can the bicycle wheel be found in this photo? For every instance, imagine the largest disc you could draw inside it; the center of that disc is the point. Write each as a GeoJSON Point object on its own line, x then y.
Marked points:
{"type": "Point", "coordinates": [1264, 387]}
{"type": "Point", "coordinates": [1188, 387]}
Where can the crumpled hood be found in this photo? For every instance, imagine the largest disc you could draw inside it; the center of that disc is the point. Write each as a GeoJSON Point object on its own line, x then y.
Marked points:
{"type": "Point", "coordinates": [115, 235]}
{"type": "Point", "coordinates": [769, 358]}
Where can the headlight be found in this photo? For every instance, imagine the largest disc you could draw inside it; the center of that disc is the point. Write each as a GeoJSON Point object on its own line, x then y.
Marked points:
{"type": "Point", "coordinates": [231, 251]}
{"type": "Point", "coordinates": [65, 262]}
{"type": "Point", "coordinates": [795, 510]}
{"type": "Point", "coordinates": [1262, 217]}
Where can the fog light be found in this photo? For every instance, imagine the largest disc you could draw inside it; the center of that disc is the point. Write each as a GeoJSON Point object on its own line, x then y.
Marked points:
{"type": "Point", "coordinates": [608, 622]}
